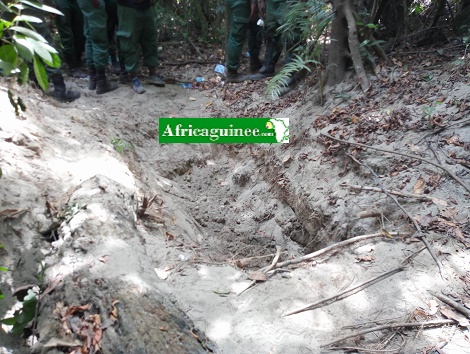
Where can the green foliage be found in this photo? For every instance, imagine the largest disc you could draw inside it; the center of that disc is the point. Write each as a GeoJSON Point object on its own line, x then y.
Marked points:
{"type": "Point", "coordinates": [21, 318]}
{"type": "Point", "coordinates": [306, 22]}
{"type": "Point", "coordinates": [121, 145]}
{"type": "Point", "coordinates": [21, 44]}
{"type": "Point", "coordinates": [17, 103]}
{"type": "Point", "coordinates": [281, 79]}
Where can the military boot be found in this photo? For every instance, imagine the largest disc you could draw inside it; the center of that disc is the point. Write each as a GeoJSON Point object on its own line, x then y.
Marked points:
{"type": "Point", "coordinates": [234, 77]}
{"type": "Point", "coordinates": [92, 78]}
{"type": "Point", "coordinates": [61, 93]}
{"type": "Point", "coordinates": [255, 65]}
{"type": "Point", "coordinates": [271, 57]}
{"type": "Point", "coordinates": [102, 84]}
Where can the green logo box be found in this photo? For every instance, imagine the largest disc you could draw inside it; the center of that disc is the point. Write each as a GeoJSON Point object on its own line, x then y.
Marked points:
{"type": "Point", "coordinates": [223, 130]}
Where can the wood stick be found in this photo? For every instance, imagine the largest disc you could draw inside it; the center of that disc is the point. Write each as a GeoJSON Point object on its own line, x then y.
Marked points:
{"type": "Point", "coordinates": [334, 246]}
{"type": "Point", "coordinates": [397, 350]}
{"type": "Point", "coordinates": [392, 326]}
{"type": "Point", "coordinates": [379, 190]}
{"type": "Point", "coordinates": [348, 292]}
{"type": "Point", "coordinates": [420, 234]}
{"type": "Point", "coordinates": [445, 169]}
{"type": "Point", "coordinates": [275, 260]}
{"type": "Point", "coordinates": [452, 303]}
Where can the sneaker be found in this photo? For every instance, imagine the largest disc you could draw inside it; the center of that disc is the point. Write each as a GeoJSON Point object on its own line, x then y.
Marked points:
{"type": "Point", "coordinates": [156, 80]}
{"type": "Point", "coordinates": [137, 85]}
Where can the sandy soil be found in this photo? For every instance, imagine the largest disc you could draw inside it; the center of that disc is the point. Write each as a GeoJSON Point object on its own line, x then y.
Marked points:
{"type": "Point", "coordinates": [216, 205]}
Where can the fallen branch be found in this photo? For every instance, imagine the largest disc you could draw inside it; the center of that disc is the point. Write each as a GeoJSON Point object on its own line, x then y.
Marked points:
{"type": "Point", "coordinates": [452, 303]}
{"type": "Point", "coordinates": [433, 323]}
{"type": "Point", "coordinates": [265, 270]}
{"type": "Point", "coordinates": [348, 292]}
{"type": "Point", "coordinates": [450, 173]}
{"type": "Point", "coordinates": [419, 232]}
{"type": "Point", "coordinates": [442, 129]}
{"type": "Point", "coordinates": [321, 252]}
{"type": "Point", "coordinates": [398, 194]}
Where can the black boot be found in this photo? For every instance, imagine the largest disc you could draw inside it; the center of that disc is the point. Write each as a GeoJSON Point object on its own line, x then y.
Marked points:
{"type": "Point", "coordinates": [92, 83]}
{"type": "Point", "coordinates": [273, 52]}
{"type": "Point", "coordinates": [234, 77]}
{"type": "Point", "coordinates": [255, 65]}
{"type": "Point", "coordinates": [102, 84]}
{"type": "Point", "coordinates": [61, 94]}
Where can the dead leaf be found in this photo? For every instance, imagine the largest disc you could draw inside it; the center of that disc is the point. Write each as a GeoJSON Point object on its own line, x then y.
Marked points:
{"type": "Point", "coordinates": [419, 186]}
{"type": "Point", "coordinates": [355, 119]}
{"type": "Point", "coordinates": [439, 202]}
{"type": "Point", "coordinates": [104, 258]}
{"type": "Point", "coordinates": [12, 213]}
{"type": "Point", "coordinates": [169, 236]}
{"type": "Point", "coordinates": [365, 259]}
{"type": "Point", "coordinates": [258, 276]}
{"type": "Point", "coordinates": [423, 220]}
{"type": "Point", "coordinates": [386, 233]}
{"type": "Point", "coordinates": [454, 316]}
{"type": "Point", "coordinates": [459, 235]}
{"type": "Point", "coordinates": [163, 328]}
{"type": "Point", "coordinates": [433, 307]}
{"type": "Point", "coordinates": [113, 315]}
{"type": "Point", "coordinates": [74, 309]}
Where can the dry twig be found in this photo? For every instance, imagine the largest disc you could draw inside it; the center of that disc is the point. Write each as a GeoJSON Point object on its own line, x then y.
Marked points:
{"type": "Point", "coordinates": [348, 292]}
{"type": "Point", "coordinates": [398, 194]}
{"type": "Point", "coordinates": [321, 252]}
{"type": "Point", "coordinates": [433, 323]}
{"type": "Point", "coordinates": [445, 169]}
{"type": "Point", "coordinates": [419, 232]}
{"type": "Point", "coordinates": [452, 303]}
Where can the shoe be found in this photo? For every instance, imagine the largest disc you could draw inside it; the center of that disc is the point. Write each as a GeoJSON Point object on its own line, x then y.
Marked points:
{"type": "Point", "coordinates": [234, 77]}
{"type": "Point", "coordinates": [255, 65]}
{"type": "Point", "coordinates": [137, 85]}
{"type": "Point", "coordinates": [61, 94]}
{"type": "Point", "coordinates": [124, 77]}
{"type": "Point", "coordinates": [102, 84]}
{"type": "Point", "coordinates": [156, 80]}
{"type": "Point", "coordinates": [66, 96]}
{"type": "Point", "coordinates": [77, 73]}
{"type": "Point", "coordinates": [92, 78]}
{"type": "Point", "coordinates": [116, 68]}
{"type": "Point", "coordinates": [267, 71]}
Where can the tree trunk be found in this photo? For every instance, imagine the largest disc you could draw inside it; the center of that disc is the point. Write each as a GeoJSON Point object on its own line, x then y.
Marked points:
{"type": "Point", "coordinates": [337, 57]}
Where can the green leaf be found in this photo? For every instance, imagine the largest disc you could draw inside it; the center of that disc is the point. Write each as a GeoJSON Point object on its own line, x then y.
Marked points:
{"type": "Point", "coordinates": [40, 72]}
{"type": "Point", "coordinates": [4, 269]}
{"type": "Point", "coordinates": [9, 54]}
{"type": "Point", "coordinates": [42, 51]}
{"type": "Point", "coordinates": [3, 7]}
{"type": "Point", "coordinates": [6, 67]}
{"type": "Point", "coordinates": [9, 321]}
{"type": "Point", "coordinates": [23, 46]}
{"type": "Point", "coordinates": [23, 78]}
{"type": "Point", "coordinates": [42, 7]}
{"type": "Point", "coordinates": [56, 62]}
{"type": "Point", "coordinates": [28, 33]}
{"type": "Point", "coordinates": [371, 25]}
{"type": "Point", "coordinates": [26, 18]}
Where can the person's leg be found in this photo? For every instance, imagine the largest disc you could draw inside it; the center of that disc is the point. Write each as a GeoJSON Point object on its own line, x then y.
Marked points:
{"type": "Point", "coordinates": [254, 45]}
{"type": "Point", "coordinates": [239, 19]}
{"type": "Point", "coordinates": [274, 15]}
{"type": "Point", "coordinates": [148, 42]}
{"type": "Point", "coordinates": [96, 18]}
{"type": "Point", "coordinates": [129, 28]}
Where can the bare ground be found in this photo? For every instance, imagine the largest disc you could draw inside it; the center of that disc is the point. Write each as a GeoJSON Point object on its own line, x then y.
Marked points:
{"type": "Point", "coordinates": [180, 267]}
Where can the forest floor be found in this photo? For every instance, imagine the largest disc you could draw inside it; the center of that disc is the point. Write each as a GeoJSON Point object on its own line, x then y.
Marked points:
{"type": "Point", "coordinates": [174, 276]}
